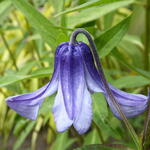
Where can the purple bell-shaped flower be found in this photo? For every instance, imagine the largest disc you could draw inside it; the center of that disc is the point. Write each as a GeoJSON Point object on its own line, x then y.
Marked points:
{"type": "Point", "coordinates": [75, 77]}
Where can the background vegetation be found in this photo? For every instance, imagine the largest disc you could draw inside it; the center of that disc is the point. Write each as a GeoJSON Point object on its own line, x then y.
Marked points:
{"type": "Point", "coordinates": [30, 30]}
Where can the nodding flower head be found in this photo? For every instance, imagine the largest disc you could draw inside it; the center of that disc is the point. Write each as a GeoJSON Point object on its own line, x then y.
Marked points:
{"type": "Point", "coordinates": [73, 80]}
{"type": "Point", "coordinates": [75, 77]}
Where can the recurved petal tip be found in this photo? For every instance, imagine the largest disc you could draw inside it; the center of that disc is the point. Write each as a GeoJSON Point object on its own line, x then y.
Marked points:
{"type": "Point", "coordinates": [27, 105]}
{"type": "Point", "coordinates": [131, 104]}
{"type": "Point", "coordinates": [26, 111]}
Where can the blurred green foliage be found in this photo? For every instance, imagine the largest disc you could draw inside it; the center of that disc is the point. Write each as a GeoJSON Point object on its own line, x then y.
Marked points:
{"type": "Point", "coordinates": [30, 30]}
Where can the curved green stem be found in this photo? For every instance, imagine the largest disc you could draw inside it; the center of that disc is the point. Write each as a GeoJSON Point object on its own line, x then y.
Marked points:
{"type": "Point", "coordinates": [147, 35]}
{"type": "Point", "coordinates": [106, 86]}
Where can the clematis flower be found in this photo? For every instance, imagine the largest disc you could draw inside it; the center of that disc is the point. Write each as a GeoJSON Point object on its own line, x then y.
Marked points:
{"type": "Point", "coordinates": [73, 82]}
{"type": "Point", "coordinates": [75, 77]}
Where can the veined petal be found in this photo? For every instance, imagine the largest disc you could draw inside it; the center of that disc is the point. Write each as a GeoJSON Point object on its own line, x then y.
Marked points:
{"type": "Point", "coordinates": [92, 83]}
{"type": "Point", "coordinates": [35, 97]}
{"type": "Point", "coordinates": [61, 117]}
{"type": "Point", "coordinates": [92, 77]}
{"type": "Point", "coordinates": [83, 121]}
{"type": "Point", "coordinates": [117, 92]}
{"type": "Point", "coordinates": [29, 112]}
{"type": "Point", "coordinates": [72, 79]}
{"type": "Point", "coordinates": [131, 104]}
{"type": "Point", "coordinates": [27, 105]}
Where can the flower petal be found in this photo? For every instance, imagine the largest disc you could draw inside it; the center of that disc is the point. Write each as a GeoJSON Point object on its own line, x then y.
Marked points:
{"type": "Point", "coordinates": [29, 112]}
{"type": "Point", "coordinates": [27, 105]}
{"type": "Point", "coordinates": [92, 77]}
{"type": "Point", "coordinates": [83, 121]}
{"type": "Point", "coordinates": [128, 98]}
{"type": "Point", "coordinates": [131, 104]}
{"type": "Point", "coordinates": [61, 117]}
{"type": "Point", "coordinates": [92, 83]}
{"type": "Point", "coordinates": [72, 79]}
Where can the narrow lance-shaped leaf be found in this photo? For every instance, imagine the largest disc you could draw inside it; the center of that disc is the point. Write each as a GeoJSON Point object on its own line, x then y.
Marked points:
{"type": "Point", "coordinates": [100, 146]}
{"type": "Point", "coordinates": [121, 59]}
{"type": "Point", "coordinates": [107, 41]}
{"type": "Point", "coordinates": [13, 78]}
{"type": "Point", "coordinates": [94, 13]}
{"type": "Point", "coordinates": [43, 26]}
{"type": "Point", "coordinates": [23, 135]}
{"type": "Point", "coordinates": [4, 9]}
{"type": "Point", "coordinates": [100, 116]}
{"type": "Point", "coordinates": [86, 5]}
{"type": "Point", "coordinates": [135, 81]}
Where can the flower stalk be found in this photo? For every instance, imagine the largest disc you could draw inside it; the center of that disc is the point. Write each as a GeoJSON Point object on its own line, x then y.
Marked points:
{"type": "Point", "coordinates": [147, 34]}
{"type": "Point", "coordinates": [101, 73]}
{"type": "Point", "coordinates": [77, 74]}
{"type": "Point", "coordinates": [146, 133]}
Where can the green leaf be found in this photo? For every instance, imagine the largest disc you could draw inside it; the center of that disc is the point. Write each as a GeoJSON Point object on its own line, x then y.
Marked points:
{"type": "Point", "coordinates": [109, 39]}
{"type": "Point", "coordinates": [131, 82]}
{"type": "Point", "coordinates": [132, 50]}
{"type": "Point", "coordinates": [100, 116]}
{"type": "Point", "coordinates": [13, 78]}
{"type": "Point", "coordinates": [20, 125]}
{"type": "Point", "coordinates": [121, 58]}
{"type": "Point", "coordinates": [100, 106]}
{"type": "Point", "coordinates": [100, 147]}
{"type": "Point", "coordinates": [86, 5]}
{"type": "Point", "coordinates": [27, 67]}
{"type": "Point", "coordinates": [58, 5]}
{"type": "Point", "coordinates": [5, 8]}
{"type": "Point", "coordinates": [135, 40]}
{"type": "Point", "coordinates": [91, 14]}
{"type": "Point", "coordinates": [46, 107]}
{"type": "Point", "coordinates": [43, 26]}
{"type": "Point", "coordinates": [92, 138]}
{"type": "Point", "coordinates": [60, 140]}
{"type": "Point", "coordinates": [23, 135]}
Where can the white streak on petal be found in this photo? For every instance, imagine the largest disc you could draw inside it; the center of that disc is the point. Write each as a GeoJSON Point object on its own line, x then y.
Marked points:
{"type": "Point", "coordinates": [27, 105]}
{"type": "Point", "coordinates": [91, 83]}
{"type": "Point", "coordinates": [62, 120]}
{"type": "Point", "coordinates": [83, 122]}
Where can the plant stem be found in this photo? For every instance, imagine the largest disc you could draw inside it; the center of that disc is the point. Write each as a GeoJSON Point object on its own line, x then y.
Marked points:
{"type": "Point", "coordinates": [12, 57]}
{"type": "Point", "coordinates": [9, 50]}
{"type": "Point", "coordinates": [146, 133]}
{"type": "Point", "coordinates": [147, 35]}
{"type": "Point", "coordinates": [99, 133]}
{"type": "Point", "coordinates": [34, 45]}
{"type": "Point", "coordinates": [105, 84]}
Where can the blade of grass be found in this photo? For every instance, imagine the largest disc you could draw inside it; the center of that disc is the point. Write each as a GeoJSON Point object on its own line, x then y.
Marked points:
{"type": "Point", "coordinates": [43, 26]}
{"type": "Point", "coordinates": [86, 5]}
{"type": "Point", "coordinates": [94, 13]}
